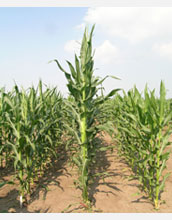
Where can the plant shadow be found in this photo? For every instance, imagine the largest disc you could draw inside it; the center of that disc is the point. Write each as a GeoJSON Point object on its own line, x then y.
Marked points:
{"type": "Point", "coordinates": [101, 171]}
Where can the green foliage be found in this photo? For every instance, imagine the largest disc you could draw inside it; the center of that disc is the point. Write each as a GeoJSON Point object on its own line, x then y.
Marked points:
{"type": "Point", "coordinates": [31, 128]}
{"type": "Point", "coordinates": [143, 125]}
{"type": "Point", "coordinates": [83, 87]}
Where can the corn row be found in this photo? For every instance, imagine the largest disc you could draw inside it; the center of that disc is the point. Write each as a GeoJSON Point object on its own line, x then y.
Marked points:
{"type": "Point", "coordinates": [143, 134]}
{"type": "Point", "coordinates": [30, 132]}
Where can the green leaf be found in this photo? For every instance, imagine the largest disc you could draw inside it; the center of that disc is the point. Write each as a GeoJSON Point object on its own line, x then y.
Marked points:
{"type": "Point", "coordinates": [74, 75]}
{"type": "Point", "coordinates": [162, 100]}
{"type": "Point", "coordinates": [161, 188]}
{"type": "Point", "coordinates": [112, 93]}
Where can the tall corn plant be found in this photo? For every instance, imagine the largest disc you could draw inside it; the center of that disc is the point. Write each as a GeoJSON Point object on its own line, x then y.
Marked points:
{"type": "Point", "coordinates": [83, 87]}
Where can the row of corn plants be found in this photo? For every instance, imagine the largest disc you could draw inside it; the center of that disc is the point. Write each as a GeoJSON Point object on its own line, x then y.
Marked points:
{"type": "Point", "coordinates": [84, 107]}
{"type": "Point", "coordinates": [143, 131]}
{"type": "Point", "coordinates": [31, 129]}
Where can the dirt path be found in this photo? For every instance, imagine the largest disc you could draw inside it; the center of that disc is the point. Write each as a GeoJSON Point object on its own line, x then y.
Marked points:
{"type": "Point", "coordinates": [115, 193]}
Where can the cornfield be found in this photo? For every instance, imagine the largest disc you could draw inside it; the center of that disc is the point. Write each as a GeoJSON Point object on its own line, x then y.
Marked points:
{"type": "Point", "coordinates": [34, 122]}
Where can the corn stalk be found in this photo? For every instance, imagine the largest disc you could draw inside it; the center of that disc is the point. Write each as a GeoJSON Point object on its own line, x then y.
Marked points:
{"type": "Point", "coordinates": [83, 87]}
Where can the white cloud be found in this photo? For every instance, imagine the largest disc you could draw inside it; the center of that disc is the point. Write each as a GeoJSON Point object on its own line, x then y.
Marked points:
{"type": "Point", "coordinates": [107, 53]}
{"type": "Point", "coordinates": [134, 24]}
{"type": "Point", "coordinates": [164, 49]}
{"type": "Point", "coordinates": [72, 46]}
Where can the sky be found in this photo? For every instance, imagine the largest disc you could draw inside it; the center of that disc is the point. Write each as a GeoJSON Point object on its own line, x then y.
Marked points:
{"type": "Point", "coordinates": [133, 44]}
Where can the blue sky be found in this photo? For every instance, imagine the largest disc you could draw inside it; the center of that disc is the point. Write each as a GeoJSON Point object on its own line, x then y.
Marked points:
{"type": "Point", "coordinates": [131, 43]}
{"type": "Point", "coordinates": [30, 37]}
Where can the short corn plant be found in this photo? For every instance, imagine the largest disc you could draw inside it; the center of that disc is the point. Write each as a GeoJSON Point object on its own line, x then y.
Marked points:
{"type": "Point", "coordinates": [83, 87]}
{"type": "Point", "coordinates": [144, 132]}
{"type": "Point", "coordinates": [30, 132]}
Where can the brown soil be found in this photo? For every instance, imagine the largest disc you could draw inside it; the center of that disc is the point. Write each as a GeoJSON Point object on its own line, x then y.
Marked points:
{"type": "Point", "coordinates": [114, 192]}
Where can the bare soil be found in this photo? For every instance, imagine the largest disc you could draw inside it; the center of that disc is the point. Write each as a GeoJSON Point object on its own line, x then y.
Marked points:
{"type": "Point", "coordinates": [114, 192]}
